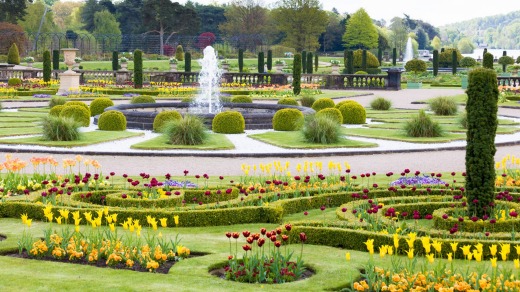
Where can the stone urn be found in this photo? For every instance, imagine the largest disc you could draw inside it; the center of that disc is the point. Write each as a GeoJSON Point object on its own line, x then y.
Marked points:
{"type": "Point", "coordinates": [69, 80]}
{"type": "Point", "coordinates": [335, 69]}
{"type": "Point", "coordinates": [124, 65]}
{"type": "Point", "coordinates": [69, 54]}
{"type": "Point", "coordinates": [173, 67]}
{"type": "Point", "coordinates": [225, 67]}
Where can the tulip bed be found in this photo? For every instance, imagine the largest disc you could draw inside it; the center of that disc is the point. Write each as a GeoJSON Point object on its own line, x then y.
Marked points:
{"type": "Point", "coordinates": [347, 211]}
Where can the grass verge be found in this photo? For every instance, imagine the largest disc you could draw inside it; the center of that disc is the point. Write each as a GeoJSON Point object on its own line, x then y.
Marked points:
{"type": "Point", "coordinates": [294, 139]}
{"type": "Point", "coordinates": [88, 138]}
{"type": "Point", "coordinates": [214, 142]}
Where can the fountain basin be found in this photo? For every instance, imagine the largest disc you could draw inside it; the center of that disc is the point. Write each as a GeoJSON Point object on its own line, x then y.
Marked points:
{"type": "Point", "coordinates": [257, 116]}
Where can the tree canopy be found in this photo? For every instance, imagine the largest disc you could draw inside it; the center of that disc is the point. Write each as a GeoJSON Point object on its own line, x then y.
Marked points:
{"type": "Point", "coordinates": [13, 10]}
{"type": "Point", "coordinates": [360, 32]}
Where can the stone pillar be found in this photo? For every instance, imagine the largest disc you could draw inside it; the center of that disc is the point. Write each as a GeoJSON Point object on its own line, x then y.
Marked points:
{"type": "Point", "coordinates": [123, 76]}
{"type": "Point", "coordinates": [69, 80]}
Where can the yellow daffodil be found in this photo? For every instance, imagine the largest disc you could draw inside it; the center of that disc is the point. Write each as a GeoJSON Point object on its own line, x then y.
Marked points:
{"type": "Point", "coordinates": [347, 256]}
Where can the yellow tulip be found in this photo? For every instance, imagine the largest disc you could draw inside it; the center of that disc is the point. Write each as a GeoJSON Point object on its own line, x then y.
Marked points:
{"type": "Point", "coordinates": [411, 239]}
{"type": "Point", "coordinates": [479, 247]}
{"type": "Point", "coordinates": [112, 227]}
{"type": "Point", "coordinates": [450, 257]}
{"type": "Point", "coordinates": [114, 217]}
{"type": "Point", "coordinates": [24, 218]}
{"type": "Point", "coordinates": [437, 245]}
{"type": "Point", "coordinates": [65, 214]}
{"type": "Point", "coordinates": [28, 222]}
{"type": "Point", "coordinates": [426, 244]}
{"type": "Point", "coordinates": [370, 245]}
{"type": "Point", "coordinates": [430, 257]}
{"type": "Point", "coordinates": [517, 247]}
{"type": "Point", "coordinates": [176, 219]}
{"type": "Point", "coordinates": [465, 250]}
{"type": "Point", "coordinates": [383, 250]}
{"type": "Point", "coordinates": [75, 215]}
{"type": "Point", "coordinates": [396, 241]}
{"type": "Point", "coordinates": [49, 216]}
{"type": "Point", "coordinates": [77, 221]}
{"type": "Point", "coordinates": [454, 246]}
{"type": "Point", "coordinates": [410, 253]}
{"type": "Point", "coordinates": [77, 228]}
{"type": "Point", "coordinates": [58, 219]}
{"type": "Point", "coordinates": [503, 254]}
{"type": "Point", "coordinates": [347, 256]}
{"type": "Point", "coordinates": [163, 222]}
{"type": "Point", "coordinates": [493, 249]}
{"type": "Point", "coordinates": [493, 262]}
{"type": "Point", "coordinates": [517, 263]}
{"type": "Point", "coordinates": [390, 250]}
{"type": "Point", "coordinates": [477, 255]}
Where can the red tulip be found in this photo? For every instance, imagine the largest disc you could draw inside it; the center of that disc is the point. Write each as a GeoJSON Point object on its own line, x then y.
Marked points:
{"type": "Point", "coordinates": [250, 239]}
{"type": "Point", "coordinates": [246, 247]}
{"type": "Point", "coordinates": [228, 234]}
{"type": "Point", "coordinates": [261, 241]}
{"type": "Point", "coordinates": [288, 227]}
{"type": "Point", "coordinates": [303, 237]}
{"type": "Point", "coordinates": [236, 235]}
{"type": "Point", "coordinates": [277, 243]}
{"type": "Point", "coordinates": [246, 233]}
{"type": "Point", "coordinates": [263, 231]}
{"type": "Point", "coordinates": [273, 238]}
{"type": "Point", "coordinates": [285, 237]}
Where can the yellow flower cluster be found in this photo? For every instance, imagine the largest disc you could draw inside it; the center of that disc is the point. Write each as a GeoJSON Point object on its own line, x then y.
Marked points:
{"type": "Point", "coordinates": [39, 249]}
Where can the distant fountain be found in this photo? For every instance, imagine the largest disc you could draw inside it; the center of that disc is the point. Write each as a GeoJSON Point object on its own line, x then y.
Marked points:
{"type": "Point", "coordinates": [208, 100]}
{"type": "Point", "coordinates": [408, 54]}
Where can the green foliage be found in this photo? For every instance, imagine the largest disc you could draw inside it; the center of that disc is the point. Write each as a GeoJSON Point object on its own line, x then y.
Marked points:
{"type": "Point", "coordinates": [304, 61]}
{"type": "Point", "coordinates": [361, 33]}
{"type": "Point", "coordinates": [179, 53]}
{"type": "Point", "coordinates": [394, 56]}
{"type": "Point", "coordinates": [240, 60]}
{"type": "Point", "coordinates": [454, 62]}
{"type": "Point", "coordinates": [360, 73]}
{"type": "Point", "coordinates": [350, 62]}
{"type": "Point", "coordinates": [371, 59]}
{"type": "Point", "coordinates": [112, 121]}
{"type": "Point", "coordinates": [422, 125]}
{"type": "Point", "coordinates": [60, 128]}
{"type": "Point", "coordinates": [445, 57]}
{"type": "Point", "coordinates": [47, 70]}
{"type": "Point", "coordinates": [187, 62]}
{"type": "Point", "coordinates": [364, 60]}
{"type": "Point", "coordinates": [189, 130]}
{"type": "Point", "coordinates": [353, 113]}
{"type": "Point", "coordinates": [269, 60]}
{"type": "Point", "coordinates": [56, 110]}
{"type": "Point", "coordinates": [443, 106]}
{"type": "Point", "coordinates": [261, 62]}
{"type": "Point", "coordinates": [462, 120]}
{"type": "Point", "coordinates": [415, 66]}
{"type": "Point", "coordinates": [13, 56]}
{"type": "Point", "coordinates": [316, 62]}
{"type": "Point", "coordinates": [504, 61]}
{"type": "Point", "coordinates": [115, 61]}
{"type": "Point", "coordinates": [14, 82]}
{"type": "Point", "coordinates": [379, 55]}
{"type": "Point", "coordinates": [78, 113]}
{"type": "Point", "coordinates": [481, 109]}
{"type": "Point", "coordinates": [98, 105]}
{"type": "Point", "coordinates": [332, 114]}
{"type": "Point", "coordinates": [80, 103]}
{"type": "Point", "coordinates": [381, 104]}
{"type": "Point", "coordinates": [468, 62]}
{"type": "Point", "coordinates": [213, 197]}
{"type": "Point", "coordinates": [142, 99]}
{"type": "Point", "coordinates": [309, 63]}
{"type": "Point", "coordinates": [288, 119]}
{"type": "Point", "coordinates": [138, 69]}
{"type": "Point", "coordinates": [297, 74]}
{"type": "Point", "coordinates": [487, 62]}
{"type": "Point", "coordinates": [288, 101]}
{"type": "Point", "coordinates": [435, 62]}
{"type": "Point", "coordinates": [307, 100]}
{"type": "Point", "coordinates": [55, 59]}
{"type": "Point", "coordinates": [164, 117]}
{"type": "Point", "coordinates": [518, 60]}
{"type": "Point", "coordinates": [322, 103]}
{"type": "Point", "coordinates": [321, 129]}
{"type": "Point", "coordinates": [230, 122]}
{"type": "Point", "coordinates": [241, 99]}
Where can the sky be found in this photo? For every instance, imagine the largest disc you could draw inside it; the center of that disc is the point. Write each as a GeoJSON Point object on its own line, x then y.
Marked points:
{"type": "Point", "coordinates": [441, 13]}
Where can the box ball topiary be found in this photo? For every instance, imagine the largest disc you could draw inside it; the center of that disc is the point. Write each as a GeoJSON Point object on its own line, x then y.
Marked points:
{"type": "Point", "coordinates": [331, 113]}
{"type": "Point", "coordinates": [164, 117]}
{"type": "Point", "coordinates": [288, 101]}
{"type": "Point", "coordinates": [241, 99]}
{"type": "Point", "coordinates": [288, 119]}
{"type": "Point", "coordinates": [142, 99]}
{"type": "Point", "coordinates": [80, 103]}
{"type": "Point", "coordinates": [353, 113]}
{"type": "Point", "coordinates": [339, 104]}
{"type": "Point", "coordinates": [56, 110]}
{"type": "Point", "coordinates": [14, 82]}
{"type": "Point", "coordinates": [112, 121]}
{"type": "Point", "coordinates": [98, 105]}
{"type": "Point", "coordinates": [78, 113]}
{"type": "Point", "coordinates": [322, 103]}
{"type": "Point", "coordinates": [230, 122]}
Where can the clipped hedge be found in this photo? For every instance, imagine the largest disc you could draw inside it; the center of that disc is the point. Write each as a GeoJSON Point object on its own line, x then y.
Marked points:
{"type": "Point", "coordinates": [241, 99]}
{"type": "Point", "coordinates": [353, 113]}
{"type": "Point", "coordinates": [322, 103]}
{"type": "Point", "coordinates": [56, 110]}
{"type": "Point", "coordinates": [288, 119]}
{"type": "Point", "coordinates": [230, 122]}
{"type": "Point", "coordinates": [210, 196]}
{"type": "Point", "coordinates": [98, 105]}
{"type": "Point", "coordinates": [164, 117]}
{"type": "Point", "coordinates": [78, 113]}
{"type": "Point", "coordinates": [80, 103]}
{"type": "Point", "coordinates": [142, 99]}
{"type": "Point", "coordinates": [112, 121]}
{"type": "Point", "coordinates": [288, 101]}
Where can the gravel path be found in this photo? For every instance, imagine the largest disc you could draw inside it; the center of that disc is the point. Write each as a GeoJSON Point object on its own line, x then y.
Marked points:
{"type": "Point", "coordinates": [389, 156]}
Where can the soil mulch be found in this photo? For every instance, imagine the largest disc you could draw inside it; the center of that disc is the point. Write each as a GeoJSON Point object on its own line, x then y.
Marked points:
{"type": "Point", "coordinates": [2, 237]}
{"type": "Point", "coordinates": [221, 273]}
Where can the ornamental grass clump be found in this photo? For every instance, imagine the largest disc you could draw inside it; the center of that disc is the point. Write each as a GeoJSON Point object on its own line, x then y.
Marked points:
{"type": "Point", "coordinates": [443, 106]}
{"type": "Point", "coordinates": [307, 100]}
{"type": "Point", "coordinates": [321, 129]}
{"type": "Point", "coordinates": [189, 130]}
{"type": "Point", "coordinates": [57, 100]}
{"type": "Point", "coordinates": [381, 104]}
{"type": "Point", "coordinates": [422, 125]}
{"type": "Point", "coordinates": [55, 128]}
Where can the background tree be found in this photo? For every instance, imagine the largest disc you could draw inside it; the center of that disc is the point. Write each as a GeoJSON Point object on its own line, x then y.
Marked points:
{"type": "Point", "coordinates": [360, 32]}
{"type": "Point", "coordinates": [422, 39]}
{"type": "Point", "coordinates": [13, 10]}
{"type": "Point", "coordinates": [331, 39]}
{"type": "Point", "coordinates": [213, 16]}
{"type": "Point", "coordinates": [138, 69]}
{"type": "Point", "coordinates": [105, 23]}
{"type": "Point", "coordinates": [436, 43]}
{"type": "Point", "coordinates": [399, 35]}
{"type": "Point", "coordinates": [47, 70]}
{"type": "Point", "coordinates": [205, 39]}
{"type": "Point", "coordinates": [11, 34]}
{"type": "Point", "coordinates": [33, 18]}
{"type": "Point", "coordinates": [64, 13]}
{"type": "Point", "coordinates": [87, 14]}
{"type": "Point", "coordinates": [302, 22]}
{"type": "Point", "coordinates": [130, 17]}
{"type": "Point", "coordinates": [465, 46]}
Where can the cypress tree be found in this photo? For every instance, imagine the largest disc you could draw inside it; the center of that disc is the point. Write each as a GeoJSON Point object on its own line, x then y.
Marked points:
{"type": "Point", "coordinates": [394, 56]}
{"type": "Point", "coordinates": [309, 62]}
{"type": "Point", "coordinates": [350, 62]}
{"type": "Point", "coordinates": [297, 74]}
{"type": "Point", "coordinates": [13, 55]}
{"type": "Point", "coordinates": [484, 53]}
{"type": "Point", "coordinates": [435, 62]}
{"type": "Point", "coordinates": [345, 56]}
{"type": "Point", "coordinates": [138, 69]}
{"type": "Point", "coordinates": [187, 62]}
{"type": "Point", "coordinates": [47, 67]}
{"type": "Point", "coordinates": [115, 61]}
{"type": "Point", "coordinates": [481, 110]}
{"type": "Point", "coordinates": [240, 60]}
{"type": "Point", "coordinates": [304, 61]}
{"type": "Point", "coordinates": [316, 62]}
{"type": "Point", "coordinates": [454, 62]}
{"type": "Point", "coordinates": [364, 60]}
{"type": "Point", "coordinates": [55, 60]}
{"type": "Point", "coordinates": [380, 55]}
{"type": "Point", "coordinates": [261, 62]}
{"type": "Point", "coordinates": [269, 60]}
{"type": "Point", "coordinates": [179, 53]}
{"type": "Point", "coordinates": [504, 53]}
{"type": "Point", "coordinates": [488, 61]}
{"type": "Point", "coordinates": [442, 50]}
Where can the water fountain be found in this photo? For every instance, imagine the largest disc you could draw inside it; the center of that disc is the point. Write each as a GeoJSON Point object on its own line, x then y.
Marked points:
{"type": "Point", "coordinates": [408, 54]}
{"type": "Point", "coordinates": [207, 103]}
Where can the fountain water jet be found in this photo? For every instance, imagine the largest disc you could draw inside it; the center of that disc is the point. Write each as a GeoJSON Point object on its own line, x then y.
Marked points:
{"type": "Point", "coordinates": [208, 100]}
{"type": "Point", "coordinates": [408, 54]}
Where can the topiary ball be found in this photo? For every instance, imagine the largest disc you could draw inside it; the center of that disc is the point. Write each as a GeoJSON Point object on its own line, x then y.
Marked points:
{"type": "Point", "coordinates": [322, 103]}
{"type": "Point", "coordinates": [230, 122]}
{"type": "Point", "coordinates": [163, 117]}
{"type": "Point", "coordinates": [78, 113]}
{"type": "Point", "coordinates": [288, 101]}
{"type": "Point", "coordinates": [353, 113]}
{"type": "Point", "coordinates": [80, 103]}
{"type": "Point", "coordinates": [339, 104]}
{"type": "Point", "coordinates": [241, 99]}
{"type": "Point", "coordinates": [56, 110]}
{"type": "Point", "coordinates": [142, 99]}
{"type": "Point", "coordinates": [14, 82]}
{"type": "Point", "coordinates": [331, 113]}
{"type": "Point", "coordinates": [98, 105]}
{"type": "Point", "coordinates": [112, 121]}
{"type": "Point", "coordinates": [288, 119]}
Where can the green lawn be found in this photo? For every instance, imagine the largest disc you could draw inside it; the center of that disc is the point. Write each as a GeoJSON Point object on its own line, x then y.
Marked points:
{"type": "Point", "coordinates": [88, 138]}
{"type": "Point", "coordinates": [17, 129]}
{"type": "Point", "coordinates": [294, 139]}
{"type": "Point", "coordinates": [214, 142]}
{"type": "Point", "coordinates": [399, 135]}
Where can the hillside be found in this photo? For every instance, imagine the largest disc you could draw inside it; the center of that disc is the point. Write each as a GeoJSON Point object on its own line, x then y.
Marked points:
{"type": "Point", "coordinates": [496, 32]}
